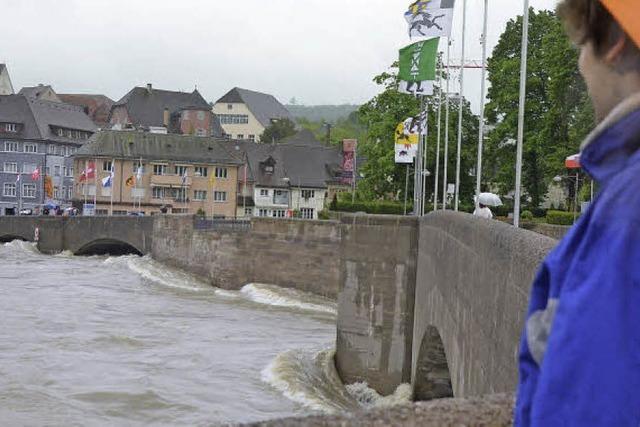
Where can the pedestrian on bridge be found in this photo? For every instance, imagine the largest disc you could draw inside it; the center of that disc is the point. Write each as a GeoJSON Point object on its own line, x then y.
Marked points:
{"type": "Point", "coordinates": [580, 351]}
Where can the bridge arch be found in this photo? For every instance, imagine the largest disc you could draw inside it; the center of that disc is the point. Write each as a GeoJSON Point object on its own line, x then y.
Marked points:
{"type": "Point", "coordinates": [108, 246]}
{"type": "Point", "coordinates": [433, 378]}
{"type": "Point", "coordinates": [6, 238]}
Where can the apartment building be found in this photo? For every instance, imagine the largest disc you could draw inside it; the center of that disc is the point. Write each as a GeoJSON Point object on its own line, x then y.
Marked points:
{"type": "Point", "coordinates": [154, 173]}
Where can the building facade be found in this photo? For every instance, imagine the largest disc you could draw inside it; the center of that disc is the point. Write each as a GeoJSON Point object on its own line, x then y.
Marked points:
{"type": "Point", "coordinates": [245, 114]}
{"type": "Point", "coordinates": [42, 135]}
{"type": "Point", "coordinates": [164, 111]}
{"type": "Point", "coordinates": [153, 173]}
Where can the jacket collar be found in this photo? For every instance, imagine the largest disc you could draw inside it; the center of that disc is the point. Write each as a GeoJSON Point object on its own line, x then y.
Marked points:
{"type": "Point", "coordinates": [609, 147]}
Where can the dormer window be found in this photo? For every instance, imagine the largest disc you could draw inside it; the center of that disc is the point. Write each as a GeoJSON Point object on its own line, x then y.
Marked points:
{"type": "Point", "coordinates": [60, 132]}
{"type": "Point", "coordinates": [268, 169]}
{"type": "Point", "coordinates": [10, 127]}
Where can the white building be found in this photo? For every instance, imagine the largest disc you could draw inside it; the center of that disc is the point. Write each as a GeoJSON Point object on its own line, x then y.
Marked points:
{"type": "Point", "coordinates": [245, 114]}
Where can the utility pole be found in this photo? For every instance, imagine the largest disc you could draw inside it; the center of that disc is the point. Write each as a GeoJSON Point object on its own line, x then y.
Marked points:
{"type": "Point", "coordinates": [521, 110]}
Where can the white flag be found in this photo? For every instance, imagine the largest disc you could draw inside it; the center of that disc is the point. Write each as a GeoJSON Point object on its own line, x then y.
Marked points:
{"type": "Point", "coordinates": [416, 88]}
{"type": "Point", "coordinates": [430, 18]}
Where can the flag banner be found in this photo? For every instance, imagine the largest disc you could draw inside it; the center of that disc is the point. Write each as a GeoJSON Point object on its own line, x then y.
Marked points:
{"type": "Point", "coordinates": [417, 88]}
{"type": "Point", "coordinates": [107, 182]}
{"type": "Point", "coordinates": [18, 179]}
{"type": "Point", "coordinates": [418, 61]}
{"type": "Point", "coordinates": [131, 181]}
{"type": "Point", "coordinates": [349, 147]}
{"type": "Point", "coordinates": [90, 173]}
{"type": "Point", "coordinates": [406, 143]}
{"type": "Point", "coordinates": [36, 174]}
{"type": "Point", "coordinates": [416, 125]}
{"type": "Point", "coordinates": [139, 173]}
{"type": "Point", "coordinates": [48, 186]}
{"type": "Point", "coordinates": [430, 18]}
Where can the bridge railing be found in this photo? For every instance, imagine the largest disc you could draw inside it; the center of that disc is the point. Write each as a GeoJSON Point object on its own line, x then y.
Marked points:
{"type": "Point", "coordinates": [222, 224]}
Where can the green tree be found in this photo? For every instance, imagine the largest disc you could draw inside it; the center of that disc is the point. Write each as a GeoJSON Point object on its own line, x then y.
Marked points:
{"type": "Point", "coordinates": [558, 113]}
{"type": "Point", "coordinates": [383, 178]}
{"type": "Point", "coordinates": [278, 130]}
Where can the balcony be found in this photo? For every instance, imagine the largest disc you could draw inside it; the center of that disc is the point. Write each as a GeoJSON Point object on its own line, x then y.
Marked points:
{"type": "Point", "coordinates": [170, 180]}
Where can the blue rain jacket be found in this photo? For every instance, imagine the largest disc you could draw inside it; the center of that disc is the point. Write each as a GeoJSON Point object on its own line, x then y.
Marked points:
{"type": "Point", "coordinates": [580, 351]}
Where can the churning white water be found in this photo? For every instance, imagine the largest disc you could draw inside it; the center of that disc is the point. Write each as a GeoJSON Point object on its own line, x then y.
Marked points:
{"type": "Point", "coordinates": [129, 341]}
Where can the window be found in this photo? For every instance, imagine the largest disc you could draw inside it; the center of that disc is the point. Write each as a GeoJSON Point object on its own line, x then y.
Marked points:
{"type": "Point", "coordinates": [221, 173]}
{"type": "Point", "coordinates": [64, 171]}
{"type": "Point", "coordinates": [306, 213]}
{"type": "Point", "coordinates": [180, 195]}
{"type": "Point", "coordinates": [30, 148]}
{"type": "Point", "coordinates": [10, 146]}
{"type": "Point", "coordinates": [29, 191]}
{"type": "Point", "coordinates": [201, 132]}
{"type": "Point", "coordinates": [229, 106]}
{"type": "Point", "coordinates": [264, 193]}
{"type": "Point", "coordinates": [185, 115]}
{"type": "Point", "coordinates": [69, 195]}
{"type": "Point", "coordinates": [279, 213]}
{"type": "Point", "coordinates": [10, 127]}
{"type": "Point", "coordinates": [180, 211]}
{"type": "Point", "coordinates": [56, 170]}
{"type": "Point", "coordinates": [220, 196]}
{"type": "Point", "coordinates": [233, 119]}
{"type": "Point", "coordinates": [202, 171]}
{"type": "Point", "coordinates": [56, 192]}
{"type": "Point", "coordinates": [28, 168]}
{"type": "Point", "coordinates": [70, 172]}
{"type": "Point", "coordinates": [106, 166]}
{"type": "Point", "coordinates": [248, 211]}
{"type": "Point", "coordinates": [181, 170]}
{"type": "Point", "coordinates": [199, 195]}
{"type": "Point", "coordinates": [158, 193]}
{"type": "Point", "coordinates": [102, 212]}
{"type": "Point", "coordinates": [60, 132]}
{"type": "Point", "coordinates": [240, 136]}
{"type": "Point", "coordinates": [159, 169]}
{"type": "Point", "coordinates": [72, 151]}
{"type": "Point", "coordinates": [200, 115]}
{"type": "Point", "coordinates": [308, 194]}
{"type": "Point", "coordinates": [226, 136]}
{"type": "Point", "coordinates": [9, 190]}
{"type": "Point", "coordinates": [252, 138]}
{"type": "Point", "coordinates": [51, 149]}
{"type": "Point", "coordinates": [11, 167]}
{"type": "Point", "coordinates": [263, 213]}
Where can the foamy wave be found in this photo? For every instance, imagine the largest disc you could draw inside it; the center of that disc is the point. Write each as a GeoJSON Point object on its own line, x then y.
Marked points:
{"type": "Point", "coordinates": [369, 398]}
{"type": "Point", "coordinates": [311, 379]}
{"type": "Point", "coordinates": [21, 246]}
{"type": "Point", "coordinates": [160, 274]}
{"type": "Point", "coordinates": [286, 297]}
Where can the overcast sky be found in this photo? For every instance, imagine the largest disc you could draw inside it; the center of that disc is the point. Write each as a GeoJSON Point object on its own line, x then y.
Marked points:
{"type": "Point", "coordinates": [318, 51]}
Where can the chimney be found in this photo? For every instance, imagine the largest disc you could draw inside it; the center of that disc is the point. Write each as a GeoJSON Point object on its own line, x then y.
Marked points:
{"type": "Point", "coordinates": [165, 118]}
{"type": "Point", "coordinates": [149, 88]}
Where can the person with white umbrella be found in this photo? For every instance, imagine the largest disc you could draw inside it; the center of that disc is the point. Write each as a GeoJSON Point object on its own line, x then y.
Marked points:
{"type": "Point", "coordinates": [484, 201]}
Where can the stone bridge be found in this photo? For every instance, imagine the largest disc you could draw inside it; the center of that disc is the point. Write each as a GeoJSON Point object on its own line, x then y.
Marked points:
{"type": "Point", "coordinates": [437, 302]}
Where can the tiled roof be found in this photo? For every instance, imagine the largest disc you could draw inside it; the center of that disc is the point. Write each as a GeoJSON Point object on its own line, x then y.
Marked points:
{"type": "Point", "coordinates": [159, 147]}
{"type": "Point", "coordinates": [146, 106]}
{"type": "Point", "coordinates": [263, 106]}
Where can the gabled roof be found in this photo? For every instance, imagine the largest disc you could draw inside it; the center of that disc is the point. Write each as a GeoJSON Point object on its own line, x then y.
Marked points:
{"type": "Point", "coordinates": [38, 116]}
{"type": "Point", "coordinates": [97, 106]}
{"type": "Point", "coordinates": [37, 91]}
{"type": "Point", "coordinates": [159, 147]}
{"type": "Point", "coordinates": [303, 160]}
{"type": "Point", "coordinates": [8, 89]}
{"type": "Point", "coordinates": [146, 106]}
{"type": "Point", "coordinates": [263, 106]}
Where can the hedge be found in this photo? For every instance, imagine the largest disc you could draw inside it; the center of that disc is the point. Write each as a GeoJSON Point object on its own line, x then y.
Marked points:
{"type": "Point", "coordinates": [560, 218]}
{"type": "Point", "coordinates": [377, 208]}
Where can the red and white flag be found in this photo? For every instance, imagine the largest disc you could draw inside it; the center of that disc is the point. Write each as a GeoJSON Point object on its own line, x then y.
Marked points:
{"type": "Point", "coordinates": [36, 174]}
{"type": "Point", "coordinates": [91, 170]}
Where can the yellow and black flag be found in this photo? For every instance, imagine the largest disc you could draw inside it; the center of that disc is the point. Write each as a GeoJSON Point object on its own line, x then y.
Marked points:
{"type": "Point", "coordinates": [131, 181]}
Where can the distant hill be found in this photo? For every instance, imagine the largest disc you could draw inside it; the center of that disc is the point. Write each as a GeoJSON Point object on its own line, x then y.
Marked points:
{"type": "Point", "coordinates": [318, 113]}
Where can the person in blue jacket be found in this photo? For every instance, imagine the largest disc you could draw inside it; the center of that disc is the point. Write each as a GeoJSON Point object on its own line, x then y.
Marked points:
{"type": "Point", "coordinates": [579, 357]}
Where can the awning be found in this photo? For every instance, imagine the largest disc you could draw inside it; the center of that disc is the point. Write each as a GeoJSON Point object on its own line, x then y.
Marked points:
{"type": "Point", "coordinates": [572, 162]}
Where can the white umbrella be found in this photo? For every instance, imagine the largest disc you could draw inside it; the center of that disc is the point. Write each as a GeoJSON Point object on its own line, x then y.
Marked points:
{"type": "Point", "coordinates": [490, 199]}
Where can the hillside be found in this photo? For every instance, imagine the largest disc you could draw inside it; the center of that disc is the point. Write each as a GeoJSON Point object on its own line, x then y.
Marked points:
{"type": "Point", "coordinates": [320, 113]}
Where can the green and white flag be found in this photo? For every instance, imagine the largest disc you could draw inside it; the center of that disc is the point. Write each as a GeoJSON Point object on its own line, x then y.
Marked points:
{"type": "Point", "coordinates": [418, 67]}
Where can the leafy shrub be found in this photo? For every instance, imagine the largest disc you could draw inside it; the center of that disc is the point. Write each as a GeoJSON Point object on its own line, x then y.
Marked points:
{"type": "Point", "coordinates": [201, 213]}
{"type": "Point", "coordinates": [323, 215]}
{"type": "Point", "coordinates": [377, 208]}
{"type": "Point", "coordinates": [503, 210]}
{"type": "Point", "coordinates": [559, 218]}
{"type": "Point", "coordinates": [527, 215]}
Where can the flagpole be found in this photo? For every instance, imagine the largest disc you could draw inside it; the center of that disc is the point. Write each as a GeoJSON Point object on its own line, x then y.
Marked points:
{"type": "Point", "coordinates": [406, 190]}
{"type": "Point", "coordinates": [460, 109]}
{"type": "Point", "coordinates": [436, 182]}
{"type": "Point", "coordinates": [111, 176]}
{"type": "Point", "coordinates": [95, 180]}
{"type": "Point", "coordinates": [84, 186]}
{"type": "Point", "coordinates": [482, 100]}
{"type": "Point", "coordinates": [425, 156]}
{"type": "Point", "coordinates": [445, 165]}
{"type": "Point", "coordinates": [521, 111]}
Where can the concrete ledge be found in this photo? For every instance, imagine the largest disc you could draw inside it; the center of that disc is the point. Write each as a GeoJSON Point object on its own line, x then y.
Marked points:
{"type": "Point", "coordinates": [494, 411]}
